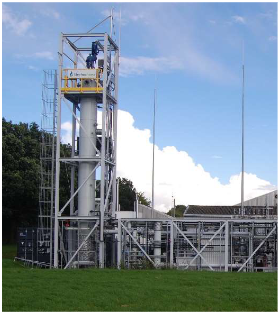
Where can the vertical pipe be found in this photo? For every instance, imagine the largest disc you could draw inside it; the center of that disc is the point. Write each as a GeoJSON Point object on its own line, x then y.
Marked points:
{"type": "Point", "coordinates": [119, 251]}
{"type": "Point", "coordinates": [153, 168]}
{"type": "Point", "coordinates": [88, 119]}
{"type": "Point", "coordinates": [171, 243]}
{"type": "Point", "coordinates": [60, 56]}
{"type": "Point", "coordinates": [137, 208]}
{"type": "Point", "coordinates": [117, 195]}
{"type": "Point", "coordinates": [73, 148]}
{"type": "Point", "coordinates": [226, 246]}
{"type": "Point", "coordinates": [103, 169]}
{"type": "Point", "coordinates": [52, 172]}
{"type": "Point", "coordinates": [242, 176]}
{"type": "Point", "coordinates": [157, 244]}
{"type": "Point", "coordinates": [115, 131]}
{"type": "Point", "coordinates": [72, 156]}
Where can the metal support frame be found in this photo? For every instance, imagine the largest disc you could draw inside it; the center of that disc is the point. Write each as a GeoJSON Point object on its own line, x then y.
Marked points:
{"type": "Point", "coordinates": [217, 242]}
{"type": "Point", "coordinates": [105, 157]}
{"type": "Point", "coordinates": [190, 243]}
{"type": "Point", "coordinates": [205, 246]}
{"type": "Point", "coordinates": [47, 159]}
{"type": "Point", "coordinates": [136, 242]}
{"type": "Point", "coordinates": [270, 233]}
{"type": "Point", "coordinates": [81, 245]}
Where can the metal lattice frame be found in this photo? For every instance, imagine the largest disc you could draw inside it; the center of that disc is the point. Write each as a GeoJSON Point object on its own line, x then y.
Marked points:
{"type": "Point", "coordinates": [213, 244]}
{"type": "Point", "coordinates": [47, 159]}
{"type": "Point", "coordinates": [106, 94]}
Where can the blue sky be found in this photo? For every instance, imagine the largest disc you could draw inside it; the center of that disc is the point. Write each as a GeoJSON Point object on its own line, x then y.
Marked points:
{"type": "Point", "coordinates": [195, 51]}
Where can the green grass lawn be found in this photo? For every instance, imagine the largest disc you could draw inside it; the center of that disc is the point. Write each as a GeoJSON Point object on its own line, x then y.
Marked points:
{"type": "Point", "coordinates": [27, 289]}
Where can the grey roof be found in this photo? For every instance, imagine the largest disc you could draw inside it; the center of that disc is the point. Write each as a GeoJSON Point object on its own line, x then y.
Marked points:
{"type": "Point", "coordinates": [226, 210]}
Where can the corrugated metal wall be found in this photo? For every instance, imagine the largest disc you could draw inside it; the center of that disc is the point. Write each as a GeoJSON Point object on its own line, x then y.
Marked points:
{"type": "Point", "coordinates": [269, 199]}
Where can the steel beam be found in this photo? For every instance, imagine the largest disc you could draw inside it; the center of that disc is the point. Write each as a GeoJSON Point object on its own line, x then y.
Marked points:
{"type": "Point", "coordinates": [57, 174]}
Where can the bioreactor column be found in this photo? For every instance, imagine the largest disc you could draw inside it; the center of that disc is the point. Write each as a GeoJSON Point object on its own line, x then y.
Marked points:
{"type": "Point", "coordinates": [88, 119]}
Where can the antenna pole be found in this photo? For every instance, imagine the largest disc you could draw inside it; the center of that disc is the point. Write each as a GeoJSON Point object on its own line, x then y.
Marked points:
{"type": "Point", "coordinates": [242, 174]}
{"type": "Point", "coordinates": [120, 34]}
{"type": "Point", "coordinates": [153, 170]}
{"type": "Point", "coordinates": [111, 22]}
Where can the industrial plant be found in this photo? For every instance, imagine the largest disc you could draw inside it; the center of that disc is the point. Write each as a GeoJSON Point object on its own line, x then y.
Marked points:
{"type": "Point", "coordinates": [89, 230]}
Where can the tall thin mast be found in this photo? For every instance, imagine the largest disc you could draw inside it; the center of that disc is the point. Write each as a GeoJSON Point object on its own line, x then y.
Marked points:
{"type": "Point", "coordinates": [153, 170]}
{"type": "Point", "coordinates": [242, 174]}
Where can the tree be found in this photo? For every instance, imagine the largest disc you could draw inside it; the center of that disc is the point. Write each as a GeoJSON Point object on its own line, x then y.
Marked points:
{"type": "Point", "coordinates": [142, 199]}
{"type": "Point", "coordinates": [179, 210]}
{"type": "Point", "coordinates": [127, 195]}
{"type": "Point", "coordinates": [21, 176]}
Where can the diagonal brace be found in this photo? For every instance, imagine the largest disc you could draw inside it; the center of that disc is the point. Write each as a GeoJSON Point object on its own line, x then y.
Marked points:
{"type": "Point", "coordinates": [148, 257]}
{"type": "Point", "coordinates": [192, 246]}
{"type": "Point", "coordinates": [208, 242]}
{"type": "Point", "coordinates": [256, 250]}
{"type": "Point", "coordinates": [81, 245]}
{"type": "Point", "coordinates": [74, 194]}
{"type": "Point", "coordinates": [108, 191]}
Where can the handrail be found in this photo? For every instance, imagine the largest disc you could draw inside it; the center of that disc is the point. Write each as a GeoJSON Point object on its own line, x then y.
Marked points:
{"type": "Point", "coordinates": [71, 84]}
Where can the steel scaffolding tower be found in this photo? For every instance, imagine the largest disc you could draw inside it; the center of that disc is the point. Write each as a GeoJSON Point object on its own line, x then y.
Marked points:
{"type": "Point", "coordinates": [90, 91]}
{"type": "Point", "coordinates": [47, 160]}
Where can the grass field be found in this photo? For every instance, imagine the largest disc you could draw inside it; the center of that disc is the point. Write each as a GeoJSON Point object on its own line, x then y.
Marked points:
{"type": "Point", "coordinates": [27, 289]}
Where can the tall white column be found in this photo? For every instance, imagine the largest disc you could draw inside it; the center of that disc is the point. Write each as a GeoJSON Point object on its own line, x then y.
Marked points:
{"type": "Point", "coordinates": [88, 118]}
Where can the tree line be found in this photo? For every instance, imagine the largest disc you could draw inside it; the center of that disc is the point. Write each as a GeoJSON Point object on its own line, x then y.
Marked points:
{"type": "Point", "coordinates": [21, 179]}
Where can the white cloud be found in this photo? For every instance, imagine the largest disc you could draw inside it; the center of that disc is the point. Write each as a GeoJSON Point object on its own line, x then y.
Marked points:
{"type": "Point", "coordinates": [44, 55]}
{"type": "Point", "coordinates": [175, 171]}
{"type": "Point", "coordinates": [125, 16]}
{"type": "Point", "coordinates": [272, 38]}
{"type": "Point", "coordinates": [32, 68]}
{"type": "Point", "coordinates": [66, 132]}
{"type": "Point", "coordinates": [239, 19]}
{"type": "Point", "coordinates": [139, 65]}
{"type": "Point", "coordinates": [41, 55]}
{"type": "Point", "coordinates": [268, 15]}
{"type": "Point", "coordinates": [66, 128]}
{"type": "Point", "coordinates": [177, 50]}
{"type": "Point", "coordinates": [12, 22]}
{"type": "Point", "coordinates": [50, 13]}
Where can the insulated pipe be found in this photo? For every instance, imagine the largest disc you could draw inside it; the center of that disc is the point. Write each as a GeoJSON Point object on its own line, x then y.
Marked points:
{"type": "Point", "coordinates": [86, 195]}
{"type": "Point", "coordinates": [88, 118]}
{"type": "Point", "coordinates": [157, 243]}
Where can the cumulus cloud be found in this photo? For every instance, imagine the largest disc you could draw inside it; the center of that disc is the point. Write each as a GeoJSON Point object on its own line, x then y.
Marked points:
{"type": "Point", "coordinates": [175, 171]}
{"type": "Point", "coordinates": [239, 19]}
{"type": "Point", "coordinates": [11, 21]}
